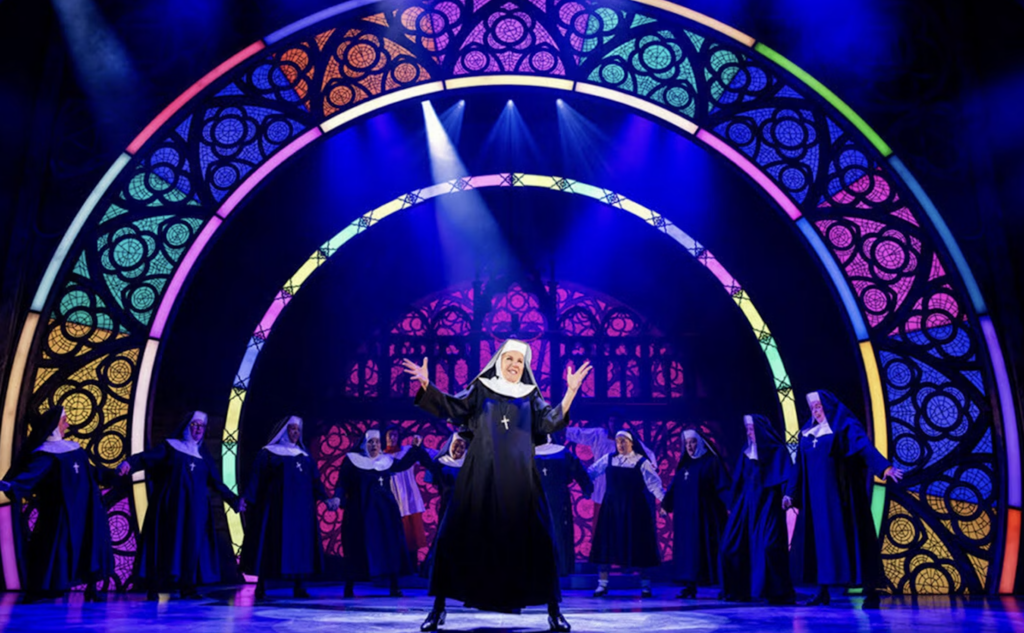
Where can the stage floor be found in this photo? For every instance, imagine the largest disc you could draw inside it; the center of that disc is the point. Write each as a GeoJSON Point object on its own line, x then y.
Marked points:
{"type": "Point", "coordinates": [232, 609]}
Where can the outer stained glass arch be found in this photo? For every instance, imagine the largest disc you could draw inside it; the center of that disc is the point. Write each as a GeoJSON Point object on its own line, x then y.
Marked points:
{"type": "Point", "coordinates": [937, 381]}
{"type": "Point", "coordinates": [240, 389]}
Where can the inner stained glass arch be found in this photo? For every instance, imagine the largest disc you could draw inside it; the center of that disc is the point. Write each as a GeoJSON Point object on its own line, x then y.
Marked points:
{"type": "Point", "coordinates": [462, 327]}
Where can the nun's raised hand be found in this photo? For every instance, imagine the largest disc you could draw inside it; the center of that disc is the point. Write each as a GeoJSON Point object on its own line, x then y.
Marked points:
{"type": "Point", "coordinates": [418, 372]}
{"type": "Point", "coordinates": [893, 473]}
{"type": "Point", "coordinates": [573, 380]}
{"type": "Point", "coordinates": [333, 503]}
{"type": "Point", "coordinates": [123, 469]}
{"type": "Point", "coordinates": [787, 503]}
{"type": "Point", "coordinates": [417, 440]}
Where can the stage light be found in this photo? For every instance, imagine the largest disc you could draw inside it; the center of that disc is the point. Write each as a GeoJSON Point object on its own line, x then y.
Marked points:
{"type": "Point", "coordinates": [509, 141]}
{"type": "Point", "coordinates": [451, 121]}
{"type": "Point", "coordinates": [582, 143]}
{"type": "Point", "coordinates": [445, 163]}
{"type": "Point", "coordinates": [466, 227]}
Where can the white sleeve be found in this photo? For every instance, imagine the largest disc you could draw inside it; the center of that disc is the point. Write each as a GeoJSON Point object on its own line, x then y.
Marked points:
{"type": "Point", "coordinates": [592, 438]}
{"type": "Point", "coordinates": [598, 467]}
{"type": "Point", "coordinates": [652, 479]}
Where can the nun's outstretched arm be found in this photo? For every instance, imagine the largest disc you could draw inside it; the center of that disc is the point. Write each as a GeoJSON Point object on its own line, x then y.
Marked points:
{"type": "Point", "coordinates": [213, 478]}
{"type": "Point", "coordinates": [441, 405]}
{"type": "Point", "coordinates": [26, 481]}
{"type": "Point", "coordinates": [146, 459]}
{"type": "Point", "coordinates": [652, 479]}
{"type": "Point", "coordinates": [599, 466]}
{"type": "Point", "coordinates": [793, 490]}
{"type": "Point", "coordinates": [415, 454]}
{"type": "Point", "coordinates": [861, 445]}
{"type": "Point", "coordinates": [319, 489]}
{"type": "Point", "coordinates": [573, 382]}
{"type": "Point", "coordinates": [579, 474]}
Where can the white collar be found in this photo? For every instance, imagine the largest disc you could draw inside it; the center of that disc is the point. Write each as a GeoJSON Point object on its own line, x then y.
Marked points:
{"type": "Point", "coordinates": [448, 460]}
{"type": "Point", "coordinates": [281, 445]}
{"type": "Point", "coordinates": [57, 447]}
{"type": "Point", "coordinates": [500, 386]}
{"type": "Point", "coordinates": [817, 430]}
{"type": "Point", "coordinates": [189, 448]}
{"type": "Point", "coordinates": [751, 451]}
{"type": "Point", "coordinates": [362, 462]}
{"type": "Point", "coordinates": [285, 449]}
{"type": "Point", "coordinates": [630, 458]}
{"type": "Point", "coordinates": [548, 449]}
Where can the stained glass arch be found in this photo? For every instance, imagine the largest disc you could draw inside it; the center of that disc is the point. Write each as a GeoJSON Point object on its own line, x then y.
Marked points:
{"type": "Point", "coordinates": [579, 317]}
{"type": "Point", "coordinates": [931, 354]}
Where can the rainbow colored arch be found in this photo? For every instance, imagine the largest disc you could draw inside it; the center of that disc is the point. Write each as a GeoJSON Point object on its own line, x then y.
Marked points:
{"type": "Point", "coordinates": [930, 350]}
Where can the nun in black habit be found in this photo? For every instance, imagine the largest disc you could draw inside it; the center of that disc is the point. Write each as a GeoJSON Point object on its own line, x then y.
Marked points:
{"type": "Point", "coordinates": [754, 552]}
{"type": "Point", "coordinates": [282, 536]}
{"type": "Point", "coordinates": [697, 499]}
{"type": "Point", "coordinates": [559, 468]}
{"type": "Point", "coordinates": [70, 544]}
{"type": "Point", "coordinates": [443, 471]}
{"type": "Point", "coordinates": [495, 549]}
{"type": "Point", "coordinates": [835, 542]}
{"type": "Point", "coordinates": [625, 533]}
{"type": "Point", "coordinates": [178, 546]}
{"type": "Point", "coordinates": [372, 535]}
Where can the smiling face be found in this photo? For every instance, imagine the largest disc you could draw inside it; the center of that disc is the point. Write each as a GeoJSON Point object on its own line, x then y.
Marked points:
{"type": "Point", "coordinates": [294, 432]}
{"type": "Point", "coordinates": [512, 364]}
{"type": "Point", "coordinates": [197, 426]}
{"type": "Point", "coordinates": [623, 445]}
{"type": "Point", "coordinates": [458, 448]}
{"type": "Point", "coordinates": [691, 446]}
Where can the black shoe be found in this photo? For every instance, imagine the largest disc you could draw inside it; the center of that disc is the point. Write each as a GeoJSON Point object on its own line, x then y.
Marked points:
{"type": "Point", "coordinates": [687, 593]}
{"type": "Point", "coordinates": [349, 592]}
{"type": "Point", "coordinates": [823, 599]}
{"type": "Point", "coordinates": [192, 594]}
{"type": "Point", "coordinates": [435, 620]}
{"type": "Point", "coordinates": [600, 592]}
{"type": "Point", "coordinates": [872, 601]}
{"type": "Point", "coordinates": [152, 596]}
{"type": "Point", "coordinates": [558, 623]}
{"type": "Point", "coordinates": [395, 593]}
{"type": "Point", "coordinates": [646, 592]}
{"type": "Point", "coordinates": [31, 597]}
{"type": "Point", "coordinates": [782, 602]}
{"type": "Point", "coordinates": [261, 593]}
{"type": "Point", "coordinates": [300, 593]}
